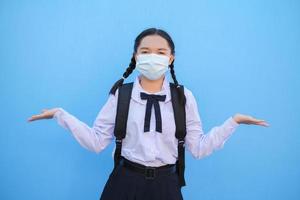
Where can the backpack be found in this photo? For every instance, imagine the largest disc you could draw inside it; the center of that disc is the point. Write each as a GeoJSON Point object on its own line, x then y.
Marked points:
{"type": "Point", "coordinates": [123, 104]}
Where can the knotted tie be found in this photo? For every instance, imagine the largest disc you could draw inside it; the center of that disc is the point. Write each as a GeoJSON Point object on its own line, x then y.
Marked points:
{"type": "Point", "coordinates": [153, 99]}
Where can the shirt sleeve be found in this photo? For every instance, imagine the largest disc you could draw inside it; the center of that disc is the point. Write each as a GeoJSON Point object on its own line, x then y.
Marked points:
{"type": "Point", "coordinates": [198, 143]}
{"type": "Point", "coordinates": [94, 138]}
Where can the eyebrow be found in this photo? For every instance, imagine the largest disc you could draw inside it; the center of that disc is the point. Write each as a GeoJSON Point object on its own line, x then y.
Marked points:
{"type": "Point", "coordinates": [158, 49]}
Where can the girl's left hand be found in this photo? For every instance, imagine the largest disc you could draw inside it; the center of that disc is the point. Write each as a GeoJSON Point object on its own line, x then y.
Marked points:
{"type": "Point", "coordinates": [246, 119]}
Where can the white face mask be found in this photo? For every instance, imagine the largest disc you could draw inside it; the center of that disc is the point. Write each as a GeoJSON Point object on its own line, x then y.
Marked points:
{"type": "Point", "coordinates": [152, 66]}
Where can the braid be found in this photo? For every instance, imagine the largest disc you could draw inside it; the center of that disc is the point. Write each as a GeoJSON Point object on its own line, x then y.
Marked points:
{"type": "Point", "coordinates": [128, 71]}
{"type": "Point", "coordinates": [182, 98]}
{"type": "Point", "coordinates": [173, 73]}
{"type": "Point", "coordinates": [131, 67]}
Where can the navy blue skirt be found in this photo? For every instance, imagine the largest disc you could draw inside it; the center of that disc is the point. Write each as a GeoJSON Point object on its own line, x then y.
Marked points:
{"type": "Point", "coordinates": [125, 184]}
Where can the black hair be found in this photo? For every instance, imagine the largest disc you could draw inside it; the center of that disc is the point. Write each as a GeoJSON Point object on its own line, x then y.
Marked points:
{"type": "Point", "coordinates": [131, 67]}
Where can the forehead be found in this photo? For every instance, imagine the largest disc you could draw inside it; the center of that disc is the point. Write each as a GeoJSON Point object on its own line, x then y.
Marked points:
{"type": "Point", "coordinates": [154, 42]}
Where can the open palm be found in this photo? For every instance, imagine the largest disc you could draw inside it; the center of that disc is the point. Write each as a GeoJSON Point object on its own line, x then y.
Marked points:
{"type": "Point", "coordinates": [45, 114]}
{"type": "Point", "coordinates": [247, 119]}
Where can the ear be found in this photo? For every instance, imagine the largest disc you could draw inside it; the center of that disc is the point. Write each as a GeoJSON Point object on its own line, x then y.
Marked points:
{"type": "Point", "coordinates": [172, 57]}
{"type": "Point", "coordinates": [135, 56]}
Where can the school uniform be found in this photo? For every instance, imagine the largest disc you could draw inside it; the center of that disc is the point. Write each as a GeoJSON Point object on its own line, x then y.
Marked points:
{"type": "Point", "coordinates": [147, 142]}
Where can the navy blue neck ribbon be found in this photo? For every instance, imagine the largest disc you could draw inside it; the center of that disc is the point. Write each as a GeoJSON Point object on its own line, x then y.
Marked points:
{"type": "Point", "coordinates": [153, 99]}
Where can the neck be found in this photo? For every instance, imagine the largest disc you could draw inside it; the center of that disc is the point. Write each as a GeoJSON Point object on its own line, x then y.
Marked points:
{"type": "Point", "coordinates": [152, 86]}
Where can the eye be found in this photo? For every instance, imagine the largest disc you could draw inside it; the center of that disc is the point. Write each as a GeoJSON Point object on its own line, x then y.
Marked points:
{"type": "Point", "coordinates": [144, 51]}
{"type": "Point", "coordinates": [161, 53]}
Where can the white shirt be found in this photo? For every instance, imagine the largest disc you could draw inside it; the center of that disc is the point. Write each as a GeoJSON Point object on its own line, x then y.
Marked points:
{"type": "Point", "coordinates": [148, 148]}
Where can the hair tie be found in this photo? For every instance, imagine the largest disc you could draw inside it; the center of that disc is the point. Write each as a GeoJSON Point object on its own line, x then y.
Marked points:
{"type": "Point", "coordinates": [123, 78]}
{"type": "Point", "coordinates": [178, 86]}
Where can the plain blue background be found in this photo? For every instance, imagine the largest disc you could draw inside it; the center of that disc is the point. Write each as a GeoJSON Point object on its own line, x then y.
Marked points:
{"type": "Point", "coordinates": [235, 56]}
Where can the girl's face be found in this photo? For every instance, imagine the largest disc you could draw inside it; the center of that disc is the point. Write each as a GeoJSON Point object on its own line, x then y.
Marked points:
{"type": "Point", "coordinates": [154, 44]}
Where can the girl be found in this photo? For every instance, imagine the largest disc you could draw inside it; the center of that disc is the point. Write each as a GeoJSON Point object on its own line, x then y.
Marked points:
{"type": "Point", "coordinates": [149, 152]}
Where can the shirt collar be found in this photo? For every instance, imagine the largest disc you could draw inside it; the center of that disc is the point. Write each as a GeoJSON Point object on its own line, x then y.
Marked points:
{"type": "Point", "coordinates": [137, 89]}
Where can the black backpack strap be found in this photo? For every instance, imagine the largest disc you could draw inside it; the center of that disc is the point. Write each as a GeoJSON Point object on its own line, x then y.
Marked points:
{"type": "Point", "coordinates": [124, 97]}
{"type": "Point", "coordinates": [180, 122]}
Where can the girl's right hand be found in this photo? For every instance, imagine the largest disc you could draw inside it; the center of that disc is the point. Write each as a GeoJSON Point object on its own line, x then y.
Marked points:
{"type": "Point", "coordinates": [45, 114]}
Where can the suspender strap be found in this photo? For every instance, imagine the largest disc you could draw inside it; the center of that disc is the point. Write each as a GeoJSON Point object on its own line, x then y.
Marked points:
{"type": "Point", "coordinates": [124, 97]}
{"type": "Point", "coordinates": [181, 162]}
{"type": "Point", "coordinates": [180, 121]}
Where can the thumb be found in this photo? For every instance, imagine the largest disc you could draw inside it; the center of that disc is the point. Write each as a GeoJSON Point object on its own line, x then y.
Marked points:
{"type": "Point", "coordinates": [44, 110]}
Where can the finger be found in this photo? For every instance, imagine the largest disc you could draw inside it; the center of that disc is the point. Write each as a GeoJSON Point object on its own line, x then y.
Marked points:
{"type": "Point", "coordinates": [35, 117]}
{"type": "Point", "coordinates": [263, 124]}
{"type": "Point", "coordinates": [31, 119]}
{"type": "Point", "coordinates": [258, 120]}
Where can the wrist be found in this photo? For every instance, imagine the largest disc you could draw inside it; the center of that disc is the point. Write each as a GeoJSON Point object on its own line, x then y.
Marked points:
{"type": "Point", "coordinates": [57, 112]}
{"type": "Point", "coordinates": [236, 118]}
